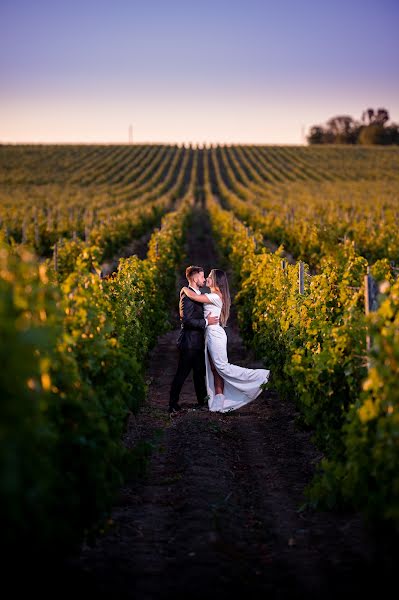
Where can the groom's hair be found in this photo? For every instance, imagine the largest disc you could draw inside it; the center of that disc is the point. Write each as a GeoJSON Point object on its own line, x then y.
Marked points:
{"type": "Point", "coordinates": [190, 271]}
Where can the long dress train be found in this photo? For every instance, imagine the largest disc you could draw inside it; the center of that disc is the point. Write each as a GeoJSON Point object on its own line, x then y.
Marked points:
{"type": "Point", "coordinates": [241, 385]}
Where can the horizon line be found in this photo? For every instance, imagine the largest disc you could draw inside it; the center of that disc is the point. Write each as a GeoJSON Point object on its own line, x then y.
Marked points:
{"type": "Point", "coordinates": [143, 143]}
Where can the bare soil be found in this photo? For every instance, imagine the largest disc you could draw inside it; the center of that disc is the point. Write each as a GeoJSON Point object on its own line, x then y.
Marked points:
{"type": "Point", "coordinates": [218, 513]}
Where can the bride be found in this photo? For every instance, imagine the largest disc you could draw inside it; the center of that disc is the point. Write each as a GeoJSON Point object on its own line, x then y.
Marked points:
{"type": "Point", "coordinates": [228, 386]}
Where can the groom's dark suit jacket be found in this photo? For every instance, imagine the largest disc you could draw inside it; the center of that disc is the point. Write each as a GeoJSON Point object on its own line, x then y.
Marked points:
{"type": "Point", "coordinates": [192, 322]}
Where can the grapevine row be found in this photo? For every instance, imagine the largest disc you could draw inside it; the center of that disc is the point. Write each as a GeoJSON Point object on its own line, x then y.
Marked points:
{"type": "Point", "coordinates": [315, 345]}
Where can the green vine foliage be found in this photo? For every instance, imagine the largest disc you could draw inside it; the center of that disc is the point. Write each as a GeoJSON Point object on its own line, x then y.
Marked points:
{"type": "Point", "coordinates": [30, 323]}
{"type": "Point", "coordinates": [366, 475]}
{"type": "Point", "coordinates": [315, 345]}
{"type": "Point", "coordinates": [74, 348]}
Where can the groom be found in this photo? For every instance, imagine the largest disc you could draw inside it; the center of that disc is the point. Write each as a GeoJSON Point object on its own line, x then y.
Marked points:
{"type": "Point", "coordinates": [191, 341]}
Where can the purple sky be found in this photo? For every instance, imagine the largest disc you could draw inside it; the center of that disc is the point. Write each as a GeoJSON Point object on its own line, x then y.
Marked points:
{"type": "Point", "coordinates": [192, 71]}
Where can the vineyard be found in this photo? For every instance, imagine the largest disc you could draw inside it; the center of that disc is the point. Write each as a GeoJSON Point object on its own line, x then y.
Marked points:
{"type": "Point", "coordinates": [92, 242]}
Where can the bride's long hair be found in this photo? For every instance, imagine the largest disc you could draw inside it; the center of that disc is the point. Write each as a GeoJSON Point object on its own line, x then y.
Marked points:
{"type": "Point", "coordinates": [220, 282]}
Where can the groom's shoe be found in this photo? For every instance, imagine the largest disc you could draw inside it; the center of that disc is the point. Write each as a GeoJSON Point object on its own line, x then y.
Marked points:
{"type": "Point", "coordinates": [174, 408]}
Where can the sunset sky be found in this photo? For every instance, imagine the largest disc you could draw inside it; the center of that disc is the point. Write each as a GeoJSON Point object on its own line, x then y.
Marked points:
{"type": "Point", "coordinates": [252, 71]}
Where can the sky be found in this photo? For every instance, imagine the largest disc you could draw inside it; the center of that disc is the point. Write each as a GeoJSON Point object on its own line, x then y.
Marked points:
{"type": "Point", "coordinates": [192, 71]}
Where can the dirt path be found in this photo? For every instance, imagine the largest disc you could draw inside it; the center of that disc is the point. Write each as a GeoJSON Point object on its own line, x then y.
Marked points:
{"type": "Point", "coordinates": [218, 512]}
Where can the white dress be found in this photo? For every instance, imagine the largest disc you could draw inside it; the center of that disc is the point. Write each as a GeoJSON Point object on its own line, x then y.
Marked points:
{"type": "Point", "coordinates": [241, 385]}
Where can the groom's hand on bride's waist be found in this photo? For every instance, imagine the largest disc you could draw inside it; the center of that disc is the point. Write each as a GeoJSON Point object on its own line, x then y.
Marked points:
{"type": "Point", "coordinates": [212, 320]}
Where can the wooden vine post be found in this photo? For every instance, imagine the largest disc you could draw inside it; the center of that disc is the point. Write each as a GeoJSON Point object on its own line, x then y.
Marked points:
{"type": "Point", "coordinates": [55, 256]}
{"type": "Point", "coordinates": [301, 267]}
{"type": "Point", "coordinates": [370, 305]}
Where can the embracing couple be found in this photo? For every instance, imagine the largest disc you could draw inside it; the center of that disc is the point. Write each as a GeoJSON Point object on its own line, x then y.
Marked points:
{"type": "Point", "coordinates": [219, 385]}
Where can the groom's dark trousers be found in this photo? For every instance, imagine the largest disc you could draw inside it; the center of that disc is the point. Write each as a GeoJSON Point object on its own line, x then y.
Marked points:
{"type": "Point", "coordinates": [191, 345]}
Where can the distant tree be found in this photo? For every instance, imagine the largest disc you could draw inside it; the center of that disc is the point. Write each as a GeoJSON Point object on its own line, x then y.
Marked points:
{"type": "Point", "coordinates": [316, 135]}
{"type": "Point", "coordinates": [378, 134]}
{"type": "Point", "coordinates": [343, 129]}
{"type": "Point", "coordinates": [392, 133]}
{"type": "Point", "coordinates": [375, 131]}
{"type": "Point", "coordinates": [368, 115]}
{"type": "Point", "coordinates": [372, 134]}
{"type": "Point", "coordinates": [375, 117]}
{"type": "Point", "coordinates": [340, 124]}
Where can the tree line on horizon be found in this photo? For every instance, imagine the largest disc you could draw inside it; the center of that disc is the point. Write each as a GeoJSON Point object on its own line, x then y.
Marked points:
{"type": "Point", "coordinates": [373, 128]}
